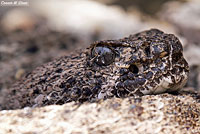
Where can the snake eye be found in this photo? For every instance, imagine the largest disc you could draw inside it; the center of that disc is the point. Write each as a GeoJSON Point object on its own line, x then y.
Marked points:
{"type": "Point", "coordinates": [104, 55]}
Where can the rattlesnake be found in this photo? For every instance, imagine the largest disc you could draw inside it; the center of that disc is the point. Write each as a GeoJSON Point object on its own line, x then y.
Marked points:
{"type": "Point", "coordinates": [148, 62]}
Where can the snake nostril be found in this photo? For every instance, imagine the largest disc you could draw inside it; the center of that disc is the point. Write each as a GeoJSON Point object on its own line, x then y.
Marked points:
{"type": "Point", "coordinates": [134, 69]}
{"type": "Point", "coordinates": [147, 51]}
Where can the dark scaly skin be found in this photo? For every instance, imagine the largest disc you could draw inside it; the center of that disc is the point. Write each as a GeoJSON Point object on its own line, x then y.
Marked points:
{"type": "Point", "coordinates": [149, 62]}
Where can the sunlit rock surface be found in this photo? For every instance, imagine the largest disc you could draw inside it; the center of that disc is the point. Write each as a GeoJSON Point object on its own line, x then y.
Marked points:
{"type": "Point", "coordinates": [153, 114]}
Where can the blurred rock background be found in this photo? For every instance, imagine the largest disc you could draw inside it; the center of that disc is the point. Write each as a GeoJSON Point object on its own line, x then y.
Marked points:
{"type": "Point", "coordinates": [44, 30]}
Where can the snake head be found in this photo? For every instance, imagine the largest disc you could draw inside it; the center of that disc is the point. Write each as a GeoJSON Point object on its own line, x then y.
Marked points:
{"type": "Point", "coordinates": [149, 62]}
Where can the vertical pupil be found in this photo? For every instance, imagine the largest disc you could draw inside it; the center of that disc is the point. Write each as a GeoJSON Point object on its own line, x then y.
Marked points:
{"type": "Point", "coordinates": [147, 51]}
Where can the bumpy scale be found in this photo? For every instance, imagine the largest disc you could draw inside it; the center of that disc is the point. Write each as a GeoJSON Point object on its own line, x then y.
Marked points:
{"type": "Point", "coordinates": [148, 62]}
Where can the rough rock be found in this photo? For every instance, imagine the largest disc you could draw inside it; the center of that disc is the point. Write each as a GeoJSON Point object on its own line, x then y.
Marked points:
{"type": "Point", "coordinates": [153, 114]}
